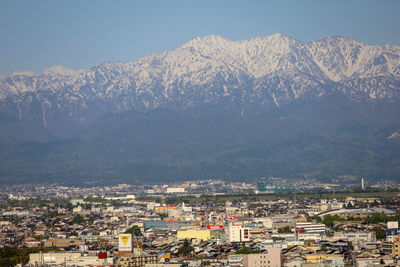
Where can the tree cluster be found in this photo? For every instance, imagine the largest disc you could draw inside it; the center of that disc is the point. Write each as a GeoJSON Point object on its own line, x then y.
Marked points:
{"type": "Point", "coordinates": [134, 230]}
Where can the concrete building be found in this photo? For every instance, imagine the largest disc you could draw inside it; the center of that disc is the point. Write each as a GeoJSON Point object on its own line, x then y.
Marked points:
{"type": "Point", "coordinates": [124, 244]}
{"type": "Point", "coordinates": [334, 205]}
{"type": "Point", "coordinates": [294, 262]}
{"type": "Point", "coordinates": [358, 212]}
{"type": "Point", "coordinates": [368, 260]}
{"type": "Point", "coordinates": [325, 258]}
{"type": "Point", "coordinates": [266, 221]}
{"type": "Point", "coordinates": [360, 236]}
{"type": "Point", "coordinates": [396, 249]}
{"type": "Point", "coordinates": [334, 261]}
{"type": "Point", "coordinates": [171, 190]}
{"type": "Point", "coordinates": [136, 260]}
{"type": "Point", "coordinates": [194, 234]}
{"type": "Point", "coordinates": [164, 209]}
{"type": "Point", "coordinates": [311, 228]}
{"type": "Point", "coordinates": [237, 233]}
{"type": "Point", "coordinates": [67, 259]}
{"type": "Point", "coordinates": [52, 258]}
{"type": "Point", "coordinates": [270, 259]}
{"type": "Point", "coordinates": [235, 260]}
{"type": "Point", "coordinates": [166, 265]}
{"type": "Point", "coordinates": [155, 225]}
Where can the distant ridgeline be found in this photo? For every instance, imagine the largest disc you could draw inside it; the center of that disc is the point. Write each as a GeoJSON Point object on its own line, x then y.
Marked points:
{"type": "Point", "coordinates": [213, 108]}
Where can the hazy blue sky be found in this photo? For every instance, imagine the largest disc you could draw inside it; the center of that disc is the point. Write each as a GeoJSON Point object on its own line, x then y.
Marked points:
{"type": "Point", "coordinates": [35, 35]}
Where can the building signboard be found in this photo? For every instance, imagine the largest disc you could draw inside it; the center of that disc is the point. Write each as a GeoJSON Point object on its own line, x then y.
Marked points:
{"type": "Point", "coordinates": [125, 242]}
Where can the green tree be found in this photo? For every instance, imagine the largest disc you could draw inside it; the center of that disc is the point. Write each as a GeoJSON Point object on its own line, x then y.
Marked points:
{"type": "Point", "coordinates": [69, 206]}
{"type": "Point", "coordinates": [134, 230]}
{"type": "Point", "coordinates": [329, 219]}
{"type": "Point", "coordinates": [11, 256]}
{"type": "Point", "coordinates": [314, 218]}
{"type": "Point", "coordinates": [78, 220]}
{"type": "Point", "coordinates": [40, 237]}
{"type": "Point", "coordinates": [283, 211]}
{"type": "Point", "coordinates": [247, 251]}
{"type": "Point", "coordinates": [255, 205]}
{"type": "Point", "coordinates": [379, 232]}
{"type": "Point", "coordinates": [337, 229]}
{"type": "Point", "coordinates": [284, 230]}
{"type": "Point", "coordinates": [50, 215]}
{"type": "Point", "coordinates": [377, 217]}
{"type": "Point", "coordinates": [185, 249]}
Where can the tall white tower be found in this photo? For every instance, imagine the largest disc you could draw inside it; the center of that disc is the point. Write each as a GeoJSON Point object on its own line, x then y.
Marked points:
{"type": "Point", "coordinates": [362, 184]}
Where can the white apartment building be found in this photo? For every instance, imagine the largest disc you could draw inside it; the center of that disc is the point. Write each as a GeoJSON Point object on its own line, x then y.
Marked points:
{"type": "Point", "coordinates": [237, 233]}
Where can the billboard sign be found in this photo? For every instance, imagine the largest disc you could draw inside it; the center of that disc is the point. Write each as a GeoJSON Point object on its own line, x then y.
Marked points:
{"type": "Point", "coordinates": [163, 255]}
{"type": "Point", "coordinates": [214, 226]}
{"type": "Point", "coordinates": [392, 225]}
{"type": "Point", "coordinates": [125, 242]}
{"type": "Point", "coordinates": [391, 232]}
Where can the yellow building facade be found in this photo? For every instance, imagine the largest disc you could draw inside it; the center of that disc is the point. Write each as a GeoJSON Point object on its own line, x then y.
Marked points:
{"type": "Point", "coordinates": [319, 257]}
{"type": "Point", "coordinates": [396, 249]}
{"type": "Point", "coordinates": [196, 234]}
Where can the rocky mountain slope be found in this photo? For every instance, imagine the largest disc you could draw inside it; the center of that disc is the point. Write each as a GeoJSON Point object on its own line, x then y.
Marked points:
{"type": "Point", "coordinates": [212, 108]}
{"type": "Point", "coordinates": [255, 73]}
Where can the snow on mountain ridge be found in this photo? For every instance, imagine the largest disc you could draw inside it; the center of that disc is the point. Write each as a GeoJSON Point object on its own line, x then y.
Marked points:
{"type": "Point", "coordinates": [267, 69]}
{"type": "Point", "coordinates": [336, 55]}
{"type": "Point", "coordinates": [61, 70]}
{"type": "Point", "coordinates": [256, 57]}
{"type": "Point", "coordinates": [20, 73]}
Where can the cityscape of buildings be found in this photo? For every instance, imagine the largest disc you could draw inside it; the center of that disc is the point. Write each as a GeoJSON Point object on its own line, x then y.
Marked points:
{"type": "Point", "coordinates": [203, 223]}
{"type": "Point", "coordinates": [199, 133]}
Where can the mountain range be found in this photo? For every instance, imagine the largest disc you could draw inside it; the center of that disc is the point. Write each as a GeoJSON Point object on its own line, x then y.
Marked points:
{"type": "Point", "coordinates": [210, 108]}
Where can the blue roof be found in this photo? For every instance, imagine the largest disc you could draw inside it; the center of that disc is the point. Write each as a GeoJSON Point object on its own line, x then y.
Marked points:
{"type": "Point", "coordinates": [155, 224]}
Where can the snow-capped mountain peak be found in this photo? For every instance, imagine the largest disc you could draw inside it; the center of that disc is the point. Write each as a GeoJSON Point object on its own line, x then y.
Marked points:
{"type": "Point", "coordinates": [23, 73]}
{"type": "Point", "coordinates": [262, 71]}
{"type": "Point", "coordinates": [60, 70]}
{"type": "Point", "coordinates": [209, 40]}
